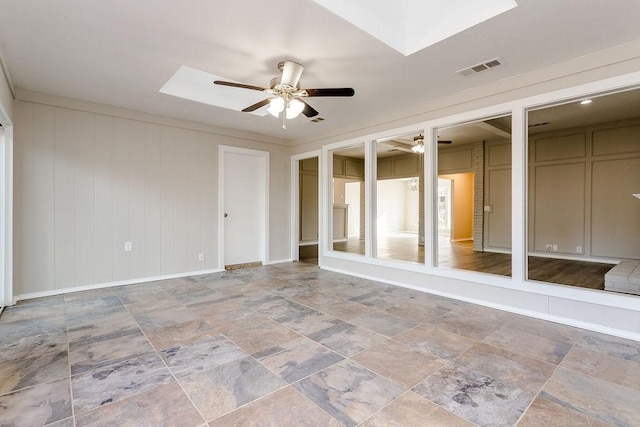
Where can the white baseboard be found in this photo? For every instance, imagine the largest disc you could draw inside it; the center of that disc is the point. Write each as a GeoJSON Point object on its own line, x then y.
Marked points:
{"type": "Point", "coordinates": [497, 250]}
{"type": "Point", "coordinates": [557, 255]}
{"type": "Point", "coordinates": [110, 284]}
{"type": "Point", "coordinates": [504, 307]}
{"type": "Point", "coordinates": [277, 261]}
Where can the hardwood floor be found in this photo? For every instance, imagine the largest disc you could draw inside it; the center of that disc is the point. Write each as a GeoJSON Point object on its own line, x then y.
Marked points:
{"type": "Point", "coordinates": [460, 255]}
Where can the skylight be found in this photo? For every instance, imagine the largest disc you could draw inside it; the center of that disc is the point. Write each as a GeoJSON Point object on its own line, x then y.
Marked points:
{"type": "Point", "coordinates": [409, 26]}
{"type": "Point", "coordinates": [196, 85]}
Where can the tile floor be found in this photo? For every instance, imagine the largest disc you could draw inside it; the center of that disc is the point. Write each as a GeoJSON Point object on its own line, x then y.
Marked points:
{"type": "Point", "coordinates": [293, 345]}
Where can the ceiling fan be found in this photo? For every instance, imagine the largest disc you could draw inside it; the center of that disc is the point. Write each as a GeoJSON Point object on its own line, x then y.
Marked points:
{"type": "Point", "coordinates": [417, 146]}
{"type": "Point", "coordinates": [285, 93]}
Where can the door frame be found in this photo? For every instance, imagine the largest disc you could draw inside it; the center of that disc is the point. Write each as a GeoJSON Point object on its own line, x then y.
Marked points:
{"type": "Point", "coordinates": [264, 199]}
{"type": "Point", "coordinates": [295, 203]}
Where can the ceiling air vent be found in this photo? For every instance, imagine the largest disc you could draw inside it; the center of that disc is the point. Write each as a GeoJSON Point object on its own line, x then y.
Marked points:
{"type": "Point", "coordinates": [535, 125]}
{"type": "Point", "coordinates": [479, 67]}
{"type": "Point", "coordinates": [316, 120]}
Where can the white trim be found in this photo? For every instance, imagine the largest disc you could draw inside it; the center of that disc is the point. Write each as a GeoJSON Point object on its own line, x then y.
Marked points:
{"type": "Point", "coordinates": [498, 250]}
{"type": "Point", "coordinates": [520, 289]}
{"type": "Point", "coordinates": [113, 284]}
{"type": "Point", "coordinates": [265, 158]}
{"type": "Point", "coordinates": [278, 261]}
{"type": "Point", "coordinates": [556, 255]}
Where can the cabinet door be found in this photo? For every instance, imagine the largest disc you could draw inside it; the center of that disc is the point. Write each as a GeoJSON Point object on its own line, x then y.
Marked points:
{"type": "Point", "coordinates": [308, 207]}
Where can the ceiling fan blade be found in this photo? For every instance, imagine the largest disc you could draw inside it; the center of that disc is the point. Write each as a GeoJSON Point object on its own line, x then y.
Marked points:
{"type": "Point", "coordinates": [308, 111]}
{"type": "Point", "coordinates": [445, 142]}
{"type": "Point", "coordinates": [336, 91]}
{"type": "Point", "coordinates": [255, 106]}
{"type": "Point", "coordinates": [240, 85]}
{"type": "Point", "coordinates": [291, 72]}
{"type": "Point", "coordinates": [394, 145]}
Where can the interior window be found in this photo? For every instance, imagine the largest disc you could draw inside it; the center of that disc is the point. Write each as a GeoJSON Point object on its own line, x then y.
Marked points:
{"type": "Point", "coordinates": [473, 199]}
{"type": "Point", "coordinates": [348, 203]}
{"type": "Point", "coordinates": [583, 202]}
{"type": "Point", "coordinates": [399, 197]}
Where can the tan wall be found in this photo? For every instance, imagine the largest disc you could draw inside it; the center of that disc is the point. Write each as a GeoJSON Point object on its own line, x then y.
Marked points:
{"type": "Point", "coordinates": [462, 205]}
{"type": "Point", "coordinates": [86, 183]}
{"type": "Point", "coordinates": [497, 195]}
{"type": "Point", "coordinates": [582, 181]}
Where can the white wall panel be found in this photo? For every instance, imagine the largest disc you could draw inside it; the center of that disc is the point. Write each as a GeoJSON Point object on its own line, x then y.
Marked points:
{"type": "Point", "coordinates": [65, 195]}
{"type": "Point", "coordinates": [140, 134]}
{"type": "Point", "coordinates": [104, 183]}
{"type": "Point", "coordinates": [121, 135]}
{"type": "Point", "coordinates": [34, 198]}
{"type": "Point", "coordinates": [181, 175]}
{"type": "Point", "coordinates": [152, 197]}
{"type": "Point", "coordinates": [86, 183]}
{"type": "Point", "coordinates": [626, 320]}
{"type": "Point", "coordinates": [167, 200]}
{"type": "Point", "coordinates": [208, 201]}
{"type": "Point", "coordinates": [193, 149]}
{"type": "Point", "coordinates": [84, 232]}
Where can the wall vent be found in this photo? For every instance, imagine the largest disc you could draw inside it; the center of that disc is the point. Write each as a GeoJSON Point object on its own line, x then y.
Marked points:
{"type": "Point", "coordinates": [474, 69]}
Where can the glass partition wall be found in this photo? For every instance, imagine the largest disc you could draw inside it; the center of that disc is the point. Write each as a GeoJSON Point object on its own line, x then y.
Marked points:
{"type": "Point", "coordinates": [348, 199]}
{"type": "Point", "coordinates": [473, 199]}
{"type": "Point", "coordinates": [399, 202]}
{"type": "Point", "coordinates": [583, 202]}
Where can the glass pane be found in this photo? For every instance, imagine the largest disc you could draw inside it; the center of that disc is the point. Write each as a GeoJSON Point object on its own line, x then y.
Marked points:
{"type": "Point", "coordinates": [348, 199]}
{"type": "Point", "coordinates": [399, 198]}
{"type": "Point", "coordinates": [584, 175]}
{"type": "Point", "coordinates": [473, 200]}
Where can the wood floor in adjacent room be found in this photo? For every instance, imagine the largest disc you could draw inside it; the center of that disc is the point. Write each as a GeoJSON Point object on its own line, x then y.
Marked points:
{"type": "Point", "coordinates": [460, 255]}
{"type": "Point", "coordinates": [293, 345]}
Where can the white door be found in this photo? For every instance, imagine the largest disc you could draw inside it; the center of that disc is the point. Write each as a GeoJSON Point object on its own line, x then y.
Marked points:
{"type": "Point", "coordinates": [244, 205]}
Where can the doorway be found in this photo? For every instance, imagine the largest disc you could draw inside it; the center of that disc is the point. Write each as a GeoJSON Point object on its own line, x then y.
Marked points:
{"type": "Point", "coordinates": [306, 217]}
{"type": "Point", "coordinates": [445, 206]}
{"type": "Point", "coordinates": [244, 188]}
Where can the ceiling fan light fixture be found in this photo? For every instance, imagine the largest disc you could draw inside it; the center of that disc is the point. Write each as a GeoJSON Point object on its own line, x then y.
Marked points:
{"type": "Point", "coordinates": [418, 148]}
{"type": "Point", "coordinates": [295, 108]}
{"type": "Point", "coordinates": [276, 105]}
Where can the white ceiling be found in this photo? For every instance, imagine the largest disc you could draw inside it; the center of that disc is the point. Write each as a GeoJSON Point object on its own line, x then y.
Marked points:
{"type": "Point", "coordinates": [121, 52]}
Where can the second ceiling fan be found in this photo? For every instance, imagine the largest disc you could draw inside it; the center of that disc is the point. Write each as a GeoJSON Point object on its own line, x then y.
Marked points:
{"type": "Point", "coordinates": [285, 93]}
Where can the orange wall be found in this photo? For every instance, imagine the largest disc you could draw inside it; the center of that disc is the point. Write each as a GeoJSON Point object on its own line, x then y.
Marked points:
{"type": "Point", "coordinates": [462, 205]}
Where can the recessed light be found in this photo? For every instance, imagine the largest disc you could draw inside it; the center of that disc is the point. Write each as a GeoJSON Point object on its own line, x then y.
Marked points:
{"type": "Point", "coordinates": [585, 102]}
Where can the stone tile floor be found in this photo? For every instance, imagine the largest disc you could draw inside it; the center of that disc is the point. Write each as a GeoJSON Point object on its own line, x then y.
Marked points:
{"type": "Point", "coordinates": [291, 344]}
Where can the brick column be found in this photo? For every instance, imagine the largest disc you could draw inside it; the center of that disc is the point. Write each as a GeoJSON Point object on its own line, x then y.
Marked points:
{"type": "Point", "coordinates": [478, 196]}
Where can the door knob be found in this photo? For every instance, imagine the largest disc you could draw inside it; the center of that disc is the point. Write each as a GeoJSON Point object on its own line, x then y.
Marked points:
{"type": "Point", "coordinates": [225, 215]}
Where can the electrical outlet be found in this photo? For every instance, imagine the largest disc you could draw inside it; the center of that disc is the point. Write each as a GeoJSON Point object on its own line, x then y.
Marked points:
{"type": "Point", "coordinates": [200, 257]}
{"type": "Point", "coordinates": [548, 247]}
{"type": "Point", "coordinates": [579, 249]}
{"type": "Point", "coordinates": [555, 248]}
{"type": "Point", "coordinates": [127, 246]}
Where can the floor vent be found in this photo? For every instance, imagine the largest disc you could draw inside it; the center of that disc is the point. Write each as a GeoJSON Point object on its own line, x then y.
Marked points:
{"type": "Point", "coordinates": [474, 69]}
